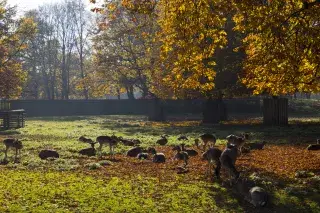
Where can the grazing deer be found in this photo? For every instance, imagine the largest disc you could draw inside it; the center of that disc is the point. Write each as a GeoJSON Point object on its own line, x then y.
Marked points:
{"type": "Point", "coordinates": [47, 153]}
{"type": "Point", "coordinates": [191, 152]}
{"type": "Point", "coordinates": [181, 155]}
{"type": "Point", "coordinates": [163, 141]}
{"type": "Point", "coordinates": [182, 138]}
{"type": "Point", "coordinates": [206, 138]}
{"type": "Point", "coordinates": [143, 156]}
{"type": "Point", "coordinates": [212, 155]}
{"type": "Point", "coordinates": [253, 146]}
{"type": "Point", "coordinates": [228, 159]}
{"type": "Point", "coordinates": [12, 143]}
{"type": "Point", "coordinates": [85, 140]}
{"type": "Point", "coordinates": [133, 152]}
{"type": "Point", "coordinates": [314, 146]}
{"type": "Point", "coordinates": [111, 141]}
{"type": "Point", "coordinates": [157, 157]}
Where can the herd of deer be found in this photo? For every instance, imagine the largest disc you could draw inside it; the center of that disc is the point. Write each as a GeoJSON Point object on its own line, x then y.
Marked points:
{"type": "Point", "coordinates": [215, 157]}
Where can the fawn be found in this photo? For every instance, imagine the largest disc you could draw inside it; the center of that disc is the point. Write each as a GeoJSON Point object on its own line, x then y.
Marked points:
{"type": "Point", "coordinates": [12, 143]}
{"type": "Point", "coordinates": [111, 141]}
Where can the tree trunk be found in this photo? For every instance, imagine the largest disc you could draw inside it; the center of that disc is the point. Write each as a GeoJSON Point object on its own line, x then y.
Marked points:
{"type": "Point", "coordinates": [130, 92]}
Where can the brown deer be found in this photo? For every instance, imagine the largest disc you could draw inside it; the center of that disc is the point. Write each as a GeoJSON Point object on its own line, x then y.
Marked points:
{"type": "Point", "coordinates": [157, 157]}
{"type": "Point", "coordinates": [163, 141]}
{"type": "Point", "coordinates": [255, 195]}
{"type": "Point", "coordinates": [314, 146]}
{"type": "Point", "coordinates": [228, 159]}
{"type": "Point", "coordinates": [181, 155]}
{"type": "Point", "coordinates": [239, 141]}
{"type": "Point", "coordinates": [191, 152]}
{"type": "Point", "coordinates": [12, 143]}
{"type": "Point", "coordinates": [111, 141]}
{"type": "Point", "coordinates": [206, 138]}
{"type": "Point", "coordinates": [212, 155]}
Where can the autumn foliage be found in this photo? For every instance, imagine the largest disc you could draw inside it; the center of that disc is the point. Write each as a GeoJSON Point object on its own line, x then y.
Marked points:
{"type": "Point", "coordinates": [281, 42]}
{"type": "Point", "coordinates": [13, 36]}
{"type": "Point", "coordinates": [282, 45]}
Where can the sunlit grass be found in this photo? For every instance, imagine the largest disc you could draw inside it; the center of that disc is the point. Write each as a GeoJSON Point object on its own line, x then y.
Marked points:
{"type": "Point", "coordinates": [75, 183]}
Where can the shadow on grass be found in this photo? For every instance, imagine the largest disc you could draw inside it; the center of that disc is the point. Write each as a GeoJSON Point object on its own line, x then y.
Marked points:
{"type": "Point", "coordinates": [9, 132]}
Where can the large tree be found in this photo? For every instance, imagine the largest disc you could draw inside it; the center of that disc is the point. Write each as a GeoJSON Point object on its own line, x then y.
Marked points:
{"type": "Point", "coordinates": [14, 33]}
{"type": "Point", "coordinates": [282, 45]}
{"type": "Point", "coordinates": [125, 48]}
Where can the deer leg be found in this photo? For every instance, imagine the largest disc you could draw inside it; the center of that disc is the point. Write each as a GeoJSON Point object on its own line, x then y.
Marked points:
{"type": "Point", "coordinates": [6, 152]}
{"type": "Point", "coordinates": [185, 161]}
{"type": "Point", "coordinates": [16, 156]}
{"type": "Point", "coordinates": [217, 169]}
{"type": "Point", "coordinates": [100, 147]}
{"type": "Point", "coordinates": [204, 146]}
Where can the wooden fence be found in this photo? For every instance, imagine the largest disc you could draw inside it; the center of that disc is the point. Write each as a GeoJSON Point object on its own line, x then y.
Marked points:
{"type": "Point", "coordinates": [275, 111]}
{"type": "Point", "coordinates": [10, 118]}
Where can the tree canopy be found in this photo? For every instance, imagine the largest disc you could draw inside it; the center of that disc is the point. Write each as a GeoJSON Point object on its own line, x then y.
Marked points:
{"type": "Point", "coordinates": [14, 34]}
{"type": "Point", "coordinates": [282, 45]}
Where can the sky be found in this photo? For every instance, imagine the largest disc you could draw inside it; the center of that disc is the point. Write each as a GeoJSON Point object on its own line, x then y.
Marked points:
{"type": "Point", "coordinates": [25, 5]}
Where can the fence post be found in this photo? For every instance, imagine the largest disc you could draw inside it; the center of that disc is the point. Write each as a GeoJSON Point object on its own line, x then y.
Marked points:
{"type": "Point", "coordinates": [156, 111]}
{"type": "Point", "coordinates": [275, 111]}
{"type": "Point", "coordinates": [214, 111]}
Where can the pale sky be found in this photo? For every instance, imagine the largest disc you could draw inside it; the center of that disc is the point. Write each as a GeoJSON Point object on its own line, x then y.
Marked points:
{"type": "Point", "coordinates": [25, 5]}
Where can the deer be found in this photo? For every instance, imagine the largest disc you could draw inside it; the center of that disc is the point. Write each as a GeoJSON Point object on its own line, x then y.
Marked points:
{"type": "Point", "coordinates": [206, 138]}
{"type": "Point", "coordinates": [157, 157]}
{"type": "Point", "coordinates": [89, 151]}
{"type": "Point", "coordinates": [212, 155]}
{"type": "Point", "coordinates": [191, 152]}
{"type": "Point", "coordinates": [163, 141]}
{"type": "Point", "coordinates": [111, 141]}
{"type": "Point", "coordinates": [255, 195]}
{"type": "Point", "coordinates": [254, 146]}
{"type": "Point", "coordinates": [228, 159]}
{"type": "Point", "coordinates": [85, 140]}
{"type": "Point", "coordinates": [182, 138]}
{"type": "Point", "coordinates": [12, 143]}
{"type": "Point", "coordinates": [181, 155]}
{"type": "Point", "coordinates": [238, 141]}
{"type": "Point", "coordinates": [314, 146]}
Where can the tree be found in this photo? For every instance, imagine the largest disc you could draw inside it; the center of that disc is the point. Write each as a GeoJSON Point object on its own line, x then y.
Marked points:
{"type": "Point", "coordinates": [282, 45]}
{"type": "Point", "coordinates": [125, 48]}
{"type": "Point", "coordinates": [81, 18]}
{"type": "Point", "coordinates": [56, 57]}
{"type": "Point", "coordinates": [13, 36]}
{"type": "Point", "coordinates": [191, 32]}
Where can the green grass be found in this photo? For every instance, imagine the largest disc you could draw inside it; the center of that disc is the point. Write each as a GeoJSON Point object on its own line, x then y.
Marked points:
{"type": "Point", "coordinates": [26, 191]}
{"type": "Point", "coordinates": [74, 183]}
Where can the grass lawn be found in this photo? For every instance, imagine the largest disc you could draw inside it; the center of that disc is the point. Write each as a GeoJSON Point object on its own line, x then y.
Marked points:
{"type": "Point", "coordinates": [76, 183]}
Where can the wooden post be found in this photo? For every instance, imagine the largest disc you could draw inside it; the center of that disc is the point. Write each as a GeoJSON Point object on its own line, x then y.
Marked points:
{"type": "Point", "coordinates": [214, 111]}
{"type": "Point", "coordinates": [275, 111]}
{"type": "Point", "coordinates": [156, 111]}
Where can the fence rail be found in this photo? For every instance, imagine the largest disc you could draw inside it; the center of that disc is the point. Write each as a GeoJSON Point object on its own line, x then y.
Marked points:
{"type": "Point", "coordinates": [35, 108]}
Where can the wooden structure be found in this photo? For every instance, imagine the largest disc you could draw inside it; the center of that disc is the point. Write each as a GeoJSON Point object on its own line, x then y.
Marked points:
{"type": "Point", "coordinates": [214, 111]}
{"type": "Point", "coordinates": [156, 111]}
{"type": "Point", "coordinates": [275, 111]}
{"type": "Point", "coordinates": [10, 119]}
